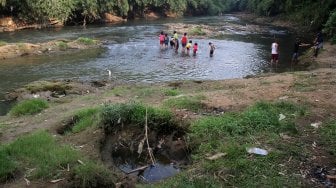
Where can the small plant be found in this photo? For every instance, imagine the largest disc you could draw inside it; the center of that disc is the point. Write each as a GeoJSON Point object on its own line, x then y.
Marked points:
{"type": "Point", "coordinates": [86, 118]}
{"type": "Point", "coordinates": [29, 107]}
{"type": "Point", "coordinates": [62, 45]}
{"type": "Point", "coordinates": [171, 92]}
{"type": "Point", "coordinates": [93, 175]}
{"type": "Point", "coordinates": [86, 41]}
{"type": "Point", "coordinates": [197, 31]}
{"type": "Point", "coordinates": [193, 103]}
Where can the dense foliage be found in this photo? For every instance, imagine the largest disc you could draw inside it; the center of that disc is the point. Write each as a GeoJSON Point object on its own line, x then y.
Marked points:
{"type": "Point", "coordinates": [311, 13]}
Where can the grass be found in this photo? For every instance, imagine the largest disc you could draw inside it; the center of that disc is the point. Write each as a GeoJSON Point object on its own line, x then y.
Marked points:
{"type": "Point", "coordinates": [197, 31]}
{"type": "Point", "coordinates": [232, 133]}
{"type": "Point", "coordinates": [2, 43]}
{"type": "Point", "coordinates": [39, 156]}
{"type": "Point", "coordinates": [93, 175]}
{"type": "Point", "coordinates": [47, 86]}
{"type": "Point", "coordinates": [328, 135]}
{"type": "Point", "coordinates": [28, 107]}
{"type": "Point", "coordinates": [116, 115]}
{"type": "Point", "coordinates": [38, 151]}
{"type": "Point", "coordinates": [135, 91]}
{"type": "Point", "coordinates": [85, 118]}
{"type": "Point", "coordinates": [171, 92]}
{"type": "Point", "coordinates": [86, 41]}
{"type": "Point", "coordinates": [192, 103]}
{"type": "Point", "coordinates": [62, 45]}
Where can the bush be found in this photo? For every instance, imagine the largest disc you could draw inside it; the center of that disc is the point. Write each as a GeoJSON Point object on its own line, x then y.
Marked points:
{"type": "Point", "coordinates": [92, 175]}
{"type": "Point", "coordinates": [85, 118]}
{"type": "Point", "coordinates": [171, 92]}
{"type": "Point", "coordinates": [39, 86]}
{"type": "Point", "coordinates": [29, 107]}
{"type": "Point", "coordinates": [197, 31]}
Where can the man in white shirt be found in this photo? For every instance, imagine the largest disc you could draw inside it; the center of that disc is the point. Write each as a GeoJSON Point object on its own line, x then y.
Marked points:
{"type": "Point", "coordinates": [275, 52]}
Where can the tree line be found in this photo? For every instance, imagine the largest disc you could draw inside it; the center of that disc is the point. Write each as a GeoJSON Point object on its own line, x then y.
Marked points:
{"type": "Point", "coordinates": [312, 13]}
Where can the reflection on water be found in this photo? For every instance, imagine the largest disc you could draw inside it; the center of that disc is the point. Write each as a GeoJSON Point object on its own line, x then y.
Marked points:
{"type": "Point", "coordinates": [132, 54]}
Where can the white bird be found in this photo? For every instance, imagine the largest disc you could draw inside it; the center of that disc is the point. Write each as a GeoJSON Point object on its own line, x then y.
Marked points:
{"type": "Point", "coordinates": [109, 73]}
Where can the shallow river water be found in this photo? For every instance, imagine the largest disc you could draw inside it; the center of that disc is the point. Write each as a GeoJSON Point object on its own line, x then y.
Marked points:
{"type": "Point", "coordinates": [132, 54]}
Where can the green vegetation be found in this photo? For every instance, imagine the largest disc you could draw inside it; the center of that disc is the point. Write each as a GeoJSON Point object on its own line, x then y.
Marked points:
{"type": "Point", "coordinates": [93, 175]}
{"type": "Point", "coordinates": [135, 91]}
{"type": "Point", "coordinates": [38, 156]}
{"type": "Point", "coordinates": [85, 118]}
{"type": "Point", "coordinates": [197, 31]}
{"type": "Point", "coordinates": [232, 133]}
{"type": "Point", "coordinates": [171, 92]}
{"type": "Point", "coordinates": [86, 41]}
{"type": "Point", "coordinates": [37, 151]}
{"type": "Point", "coordinates": [29, 107]}
{"type": "Point", "coordinates": [2, 43]}
{"type": "Point", "coordinates": [47, 86]}
{"type": "Point", "coordinates": [62, 45]}
{"type": "Point", "coordinates": [193, 103]}
{"type": "Point", "coordinates": [116, 115]}
{"type": "Point", "coordinates": [328, 134]}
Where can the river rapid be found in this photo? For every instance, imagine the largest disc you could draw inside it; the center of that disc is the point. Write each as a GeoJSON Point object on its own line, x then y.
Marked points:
{"type": "Point", "coordinates": [132, 53]}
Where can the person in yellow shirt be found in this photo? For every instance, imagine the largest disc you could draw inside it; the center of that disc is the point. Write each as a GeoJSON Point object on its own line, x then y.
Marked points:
{"type": "Point", "coordinates": [188, 46]}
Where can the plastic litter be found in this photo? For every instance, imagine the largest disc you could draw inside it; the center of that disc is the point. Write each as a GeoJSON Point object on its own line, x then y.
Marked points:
{"type": "Point", "coordinates": [316, 125]}
{"type": "Point", "coordinates": [281, 117]}
{"type": "Point", "coordinates": [258, 151]}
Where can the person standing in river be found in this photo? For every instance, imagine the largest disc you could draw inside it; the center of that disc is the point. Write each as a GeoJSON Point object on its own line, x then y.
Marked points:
{"type": "Point", "coordinates": [211, 49]}
{"type": "Point", "coordinates": [184, 41]}
{"type": "Point", "coordinates": [275, 52]}
{"type": "Point", "coordinates": [195, 48]}
{"type": "Point", "coordinates": [162, 39]}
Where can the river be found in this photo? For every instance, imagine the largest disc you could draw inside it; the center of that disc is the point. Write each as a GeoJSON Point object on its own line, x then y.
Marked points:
{"type": "Point", "coordinates": [132, 53]}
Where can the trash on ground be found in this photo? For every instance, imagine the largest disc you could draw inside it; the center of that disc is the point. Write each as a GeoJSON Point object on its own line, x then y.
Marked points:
{"type": "Point", "coordinates": [216, 156]}
{"type": "Point", "coordinates": [258, 151]}
{"type": "Point", "coordinates": [281, 117]}
{"type": "Point", "coordinates": [316, 125]}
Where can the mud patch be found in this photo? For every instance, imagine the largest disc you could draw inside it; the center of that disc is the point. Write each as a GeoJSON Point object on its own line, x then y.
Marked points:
{"type": "Point", "coordinates": [127, 150]}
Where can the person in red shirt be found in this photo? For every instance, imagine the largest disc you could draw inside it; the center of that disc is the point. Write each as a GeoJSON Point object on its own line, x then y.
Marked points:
{"type": "Point", "coordinates": [195, 48]}
{"type": "Point", "coordinates": [184, 41]}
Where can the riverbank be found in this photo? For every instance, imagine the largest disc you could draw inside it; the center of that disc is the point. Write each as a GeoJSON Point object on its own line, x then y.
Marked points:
{"type": "Point", "coordinates": [13, 50]}
{"type": "Point", "coordinates": [301, 145]}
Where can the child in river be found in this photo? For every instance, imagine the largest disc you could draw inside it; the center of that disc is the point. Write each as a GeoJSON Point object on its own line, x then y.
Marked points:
{"type": "Point", "coordinates": [188, 46]}
{"type": "Point", "coordinates": [195, 48]}
{"type": "Point", "coordinates": [211, 48]}
{"type": "Point", "coordinates": [166, 40]}
{"type": "Point", "coordinates": [184, 41]}
{"type": "Point", "coordinates": [162, 39]}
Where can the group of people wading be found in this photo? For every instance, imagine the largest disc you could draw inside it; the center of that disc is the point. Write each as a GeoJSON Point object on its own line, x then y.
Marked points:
{"type": "Point", "coordinates": [187, 46]}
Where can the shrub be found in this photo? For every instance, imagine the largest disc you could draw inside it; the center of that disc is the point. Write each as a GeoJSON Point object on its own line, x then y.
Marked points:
{"type": "Point", "coordinates": [29, 107]}
{"type": "Point", "coordinates": [86, 118]}
{"type": "Point", "coordinates": [90, 174]}
{"type": "Point", "coordinates": [39, 86]}
{"type": "Point", "coordinates": [171, 92]}
{"type": "Point", "coordinates": [2, 43]}
{"type": "Point", "coordinates": [197, 31]}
